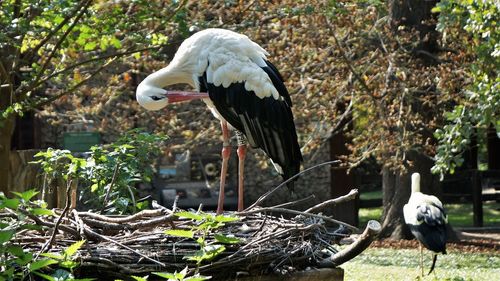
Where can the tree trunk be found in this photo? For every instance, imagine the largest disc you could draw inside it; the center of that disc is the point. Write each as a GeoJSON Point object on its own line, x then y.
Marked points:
{"type": "Point", "coordinates": [417, 15]}
{"type": "Point", "coordinates": [8, 83]}
{"type": "Point", "coordinates": [6, 130]}
{"type": "Point", "coordinates": [6, 125]}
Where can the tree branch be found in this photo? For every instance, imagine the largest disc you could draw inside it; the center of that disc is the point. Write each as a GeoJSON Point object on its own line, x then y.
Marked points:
{"type": "Point", "coordinates": [348, 62]}
{"type": "Point", "coordinates": [49, 243]}
{"type": "Point", "coordinates": [267, 194]}
{"type": "Point", "coordinates": [55, 97]}
{"type": "Point", "coordinates": [350, 196]}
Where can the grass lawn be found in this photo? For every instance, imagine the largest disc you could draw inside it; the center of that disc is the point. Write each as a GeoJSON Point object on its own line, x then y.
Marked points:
{"type": "Point", "coordinates": [403, 264]}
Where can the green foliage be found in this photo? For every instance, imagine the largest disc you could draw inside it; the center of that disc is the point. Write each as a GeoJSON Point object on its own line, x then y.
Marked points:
{"type": "Point", "coordinates": [109, 173]}
{"type": "Point", "coordinates": [131, 156]}
{"type": "Point", "coordinates": [60, 163]}
{"type": "Point", "coordinates": [481, 104]}
{"type": "Point", "coordinates": [181, 276]}
{"type": "Point", "coordinates": [54, 40]}
{"type": "Point", "coordinates": [204, 226]}
{"type": "Point", "coordinates": [18, 263]}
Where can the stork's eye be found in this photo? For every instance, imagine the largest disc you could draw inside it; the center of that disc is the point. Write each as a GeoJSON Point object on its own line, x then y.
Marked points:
{"type": "Point", "coordinates": [156, 98]}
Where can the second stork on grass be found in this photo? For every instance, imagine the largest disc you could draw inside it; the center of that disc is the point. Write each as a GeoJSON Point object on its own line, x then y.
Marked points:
{"type": "Point", "coordinates": [245, 92]}
{"type": "Point", "coordinates": [427, 219]}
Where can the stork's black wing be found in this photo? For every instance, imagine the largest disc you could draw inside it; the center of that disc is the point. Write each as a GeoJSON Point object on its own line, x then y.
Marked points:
{"type": "Point", "coordinates": [431, 230]}
{"type": "Point", "coordinates": [266, 122]}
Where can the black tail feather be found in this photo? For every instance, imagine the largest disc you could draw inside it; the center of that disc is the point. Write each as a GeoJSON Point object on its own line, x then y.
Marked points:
{"type": "Point", "coordinates": [433, 263]}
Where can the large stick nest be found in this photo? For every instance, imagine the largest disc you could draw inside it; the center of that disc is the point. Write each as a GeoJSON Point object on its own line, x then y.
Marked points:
{"type": "Point", "coordinates": [119, 246]}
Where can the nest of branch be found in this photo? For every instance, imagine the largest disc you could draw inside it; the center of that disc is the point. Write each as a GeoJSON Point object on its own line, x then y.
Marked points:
{"type": "Point", "coordinates": [120, 246]}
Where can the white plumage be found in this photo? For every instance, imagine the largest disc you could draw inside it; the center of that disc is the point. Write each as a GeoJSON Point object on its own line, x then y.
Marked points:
{"type": "Point", "coordinates": [426, 218]}
{"type": "Point", "coordinates": [244, 90]}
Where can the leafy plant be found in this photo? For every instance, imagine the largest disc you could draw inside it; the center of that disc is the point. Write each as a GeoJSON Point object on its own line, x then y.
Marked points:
{"type": "Point", "coordinates": [66, 264]}
{"type": "Point", "coordinates": [17, 263]}
{"type": "Point", "coordinates": [113, 171]}
{"type": "Point", "coordinates": [110, 171]}
{"type": "Point", "coordinates": [182, 276]}
{"type": "Point", "coordinates": [204, 225]}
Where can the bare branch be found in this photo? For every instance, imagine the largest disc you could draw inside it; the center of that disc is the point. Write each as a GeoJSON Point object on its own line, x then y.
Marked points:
{"type": "Point", "coordinates": [350, 196]}
{"type": "Point", "coordinates": [295, 212]}
{"type": "Point", "coordinates": [267, 194]}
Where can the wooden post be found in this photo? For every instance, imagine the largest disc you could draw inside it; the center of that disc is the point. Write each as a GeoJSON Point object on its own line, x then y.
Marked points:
{"type": "Point", "coordinates": [341, 182]}
{"type": "Point", "coordinates": [493, 146]}
{"type": "Point", "coordinates": [477, 200]}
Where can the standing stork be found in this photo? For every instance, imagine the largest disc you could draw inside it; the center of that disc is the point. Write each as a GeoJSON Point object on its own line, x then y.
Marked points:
{"type": "Point", "coordinates": [427, 219]}
{"type": "Point", "coordinates": [245, 92]}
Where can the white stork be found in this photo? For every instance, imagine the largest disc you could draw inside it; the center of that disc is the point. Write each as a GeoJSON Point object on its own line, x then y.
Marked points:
{"type": "Point", "coordinates": [427, 219]}
{"type": "Point", "coordinates": [245, 92]}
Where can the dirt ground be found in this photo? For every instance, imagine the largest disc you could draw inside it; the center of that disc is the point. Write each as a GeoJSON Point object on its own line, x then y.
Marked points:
{"type": "Point", "coordinates": [486, 242]}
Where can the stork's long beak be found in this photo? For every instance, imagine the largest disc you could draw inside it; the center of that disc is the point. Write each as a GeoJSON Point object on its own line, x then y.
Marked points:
{"type": "Point", "coordinates": [178, 96]}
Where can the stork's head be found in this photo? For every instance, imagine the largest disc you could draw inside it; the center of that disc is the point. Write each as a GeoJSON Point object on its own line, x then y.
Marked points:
{"type": "Point", "coordinates": [151, 97]}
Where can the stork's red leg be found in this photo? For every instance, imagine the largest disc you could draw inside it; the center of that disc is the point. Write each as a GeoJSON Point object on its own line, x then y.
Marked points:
{"type": "Point", "coordinates": [226, 152]}
{"type": "Point", "coordinates": [242, 151]}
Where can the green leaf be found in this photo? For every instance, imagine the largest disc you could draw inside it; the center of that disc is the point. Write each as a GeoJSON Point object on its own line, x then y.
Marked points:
{"type": "Point", "coordinates": [221, 218]}
{"type": "Point", "coordinates": [27, 195]}
{"type": "Point", "coordinates": [41, 264]}
{"type": "Point", "coordinates": [53, 256]}
{"type": "Point", "coordinates": [72, 249]}
{"type": "Point", "coordinates": [69, 264]}
{"type": "Point", "coordinates": [208, 253]}
{"type": "Point", "coordinates": [116, 43]}
{"type": "Point", "coordinates": [226, 239]}
{"type": "Point", "coordinates": [197, 277]}
{"type": "Point", "coordinates": [89, 46]}
{"type": "Point", "coordinates": [24, 259]}
{"type": "Point", "coordinates": [9, 203]}
{"type": "Point", "coordinates": [189, 215]}
{"type": "Point", "coordinates": [16, 251]}
{"type": "Point", "coordinates": [138, 278]}
{"type": "Point", "coordinates": [180, 233]}
{"type": "Point", "coordinates": [41, 212]}
{"type": "Point", "coordinates": [165, 275]}
{"type": "Point", "coordinates": [436, 9]}
{"type": "Point", "coordinates": [6, 235]}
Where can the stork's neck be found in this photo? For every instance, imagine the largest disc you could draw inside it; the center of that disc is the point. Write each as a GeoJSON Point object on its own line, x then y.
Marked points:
{"type": "Point", "coordinates": [415, 182]}
{"type": "Point", "coordinates": [167, 76]}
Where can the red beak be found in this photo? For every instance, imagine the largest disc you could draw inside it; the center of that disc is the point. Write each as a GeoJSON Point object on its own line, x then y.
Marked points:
{"type": "Point", "coordinates": [178, 96]}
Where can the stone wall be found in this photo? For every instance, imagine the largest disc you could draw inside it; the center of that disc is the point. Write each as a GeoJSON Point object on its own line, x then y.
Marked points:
{"type": "Point", "coordinates": [262, 177]}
